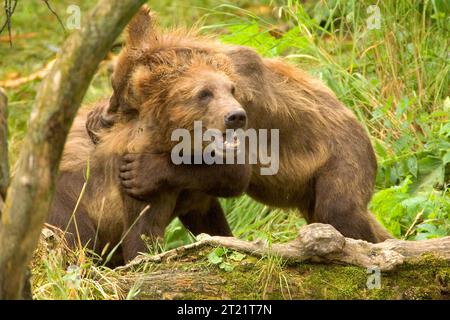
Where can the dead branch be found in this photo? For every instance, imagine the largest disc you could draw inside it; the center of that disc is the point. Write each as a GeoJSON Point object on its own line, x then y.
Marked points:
{"type": "Point", "coordinates": [108, 63]}
{"type": "Point", "coordinates": [28, 35]}
{"type": "Point", "coordinates": [28, 198]}
{"type": "Point", "coordinates": [321, 243]}
{"type": "Point", "coordinates": [40, 74]}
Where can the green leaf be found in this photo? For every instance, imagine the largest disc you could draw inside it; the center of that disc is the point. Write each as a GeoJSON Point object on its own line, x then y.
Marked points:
{"type": "Point", "coordinates": [226, 267]}
{"type": "Point", "coordinates": [213, 258]}
{"type": "Point", "coordinates": [413, 166]}
{"type": "Point", "coordinates": [220, 251]}
{"type": "Point", "coordinates": [446, 158]}
{"type": "Point", "coordinates": [430, 173]}
{"type": "Point", "coordinates": [447, 104]}
{"type": "Point", "coordinates": [427, 228]}
{"type": "Point", "coordinates": [237, 256]}
{"type": "Point", "coordinates": [380, 149]}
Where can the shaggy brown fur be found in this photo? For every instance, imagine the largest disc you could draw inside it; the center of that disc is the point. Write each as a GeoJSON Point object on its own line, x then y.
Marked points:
{"type": "Point", "coordinates": [155, 91]}
{"type": "Point", "coordinates": [327, 164]}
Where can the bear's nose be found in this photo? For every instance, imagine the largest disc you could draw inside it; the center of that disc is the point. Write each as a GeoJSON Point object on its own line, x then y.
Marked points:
{"type": "Point", "coordinates": [236, 119]}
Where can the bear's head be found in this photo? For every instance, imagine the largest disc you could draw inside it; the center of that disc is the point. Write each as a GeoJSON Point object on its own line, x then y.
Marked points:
{"type": "Point", "coordinates": [166, 82]}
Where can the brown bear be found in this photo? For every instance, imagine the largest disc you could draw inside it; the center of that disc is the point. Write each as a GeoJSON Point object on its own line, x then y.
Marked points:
{"type": "Point", "coordinates": [155, 90]}
{"type": "Point", "coordinates": [327, 165]}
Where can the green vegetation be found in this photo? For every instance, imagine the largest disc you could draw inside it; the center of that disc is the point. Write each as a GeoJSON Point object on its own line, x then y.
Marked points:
{"type": "Point", "coordinates": [395, 78]}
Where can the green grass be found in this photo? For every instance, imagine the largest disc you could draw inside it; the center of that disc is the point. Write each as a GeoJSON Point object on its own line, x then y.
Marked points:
{"type": "Point", "coordinates": [395, 79]}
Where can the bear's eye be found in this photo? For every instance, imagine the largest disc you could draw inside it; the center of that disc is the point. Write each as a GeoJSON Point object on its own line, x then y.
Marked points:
{"type": "Point", "coordinates": [233, 90]}
{"type": "Point", "coordinates": [205, 95]}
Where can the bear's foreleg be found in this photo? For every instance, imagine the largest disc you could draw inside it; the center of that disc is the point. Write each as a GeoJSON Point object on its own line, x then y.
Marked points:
{"type": "Point", "coordinates": [144, 226]}
{"type": "Point", "coordinates": [144, 174]}
{"type": "Point", "coordinates": [212, 221]}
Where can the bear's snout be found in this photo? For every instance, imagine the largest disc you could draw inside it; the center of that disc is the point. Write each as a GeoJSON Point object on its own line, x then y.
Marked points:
{"type": "Point", "coordinates": [236, 119]}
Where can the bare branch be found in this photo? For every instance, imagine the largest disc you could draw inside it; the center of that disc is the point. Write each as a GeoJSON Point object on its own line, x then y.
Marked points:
{"type": "Point", "coordinates": [55, 14]}
{"type": "Point", "coordinates": [60, 94]}
{"type": "Point", "coordinates": [9, 10]}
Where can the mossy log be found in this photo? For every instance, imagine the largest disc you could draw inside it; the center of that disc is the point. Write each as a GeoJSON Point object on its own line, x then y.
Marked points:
{"type": "Point", "coordinates": [60, 94]}
{"type": "Point", "coordinates": [319, 264]}
{"type": "Point", "coordinates": [193, 278]}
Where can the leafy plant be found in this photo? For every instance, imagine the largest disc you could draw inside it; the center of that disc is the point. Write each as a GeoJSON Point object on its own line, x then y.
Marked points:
{"type": "Point", "coordinates": [222, 258]}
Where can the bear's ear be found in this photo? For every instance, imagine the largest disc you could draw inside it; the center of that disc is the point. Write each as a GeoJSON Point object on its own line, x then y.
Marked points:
{"type": "Point", "coordinates": [141, 31]}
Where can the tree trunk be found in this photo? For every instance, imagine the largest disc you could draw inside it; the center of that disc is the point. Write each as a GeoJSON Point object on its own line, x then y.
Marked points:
{"type": "Point", "coordinates": [61, 92]}
{"type": "Point", "coordinates": [4, 163]}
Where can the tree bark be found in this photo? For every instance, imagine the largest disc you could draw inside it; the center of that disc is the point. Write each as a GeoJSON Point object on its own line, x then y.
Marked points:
{"type": "Point", "coordinates": [4, 162]}
{"type": "Point", "coordinates": [61, 92]}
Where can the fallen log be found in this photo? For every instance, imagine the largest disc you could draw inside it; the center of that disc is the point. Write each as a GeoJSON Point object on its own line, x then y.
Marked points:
{"type": "Point", "coordinates": [194, 278]}
{"type": "Point", "coordinates": [319, 264]}
{"type": "Point", "coordinates": [322, 243]}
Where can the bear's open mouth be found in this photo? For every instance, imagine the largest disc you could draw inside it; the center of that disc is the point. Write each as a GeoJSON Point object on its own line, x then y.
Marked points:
{"type": "Point", "coordinates": [226, 142]}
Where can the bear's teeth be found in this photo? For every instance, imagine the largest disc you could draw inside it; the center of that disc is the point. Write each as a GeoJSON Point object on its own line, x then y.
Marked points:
{"type": "Point", "coordinates": [231, 144]}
